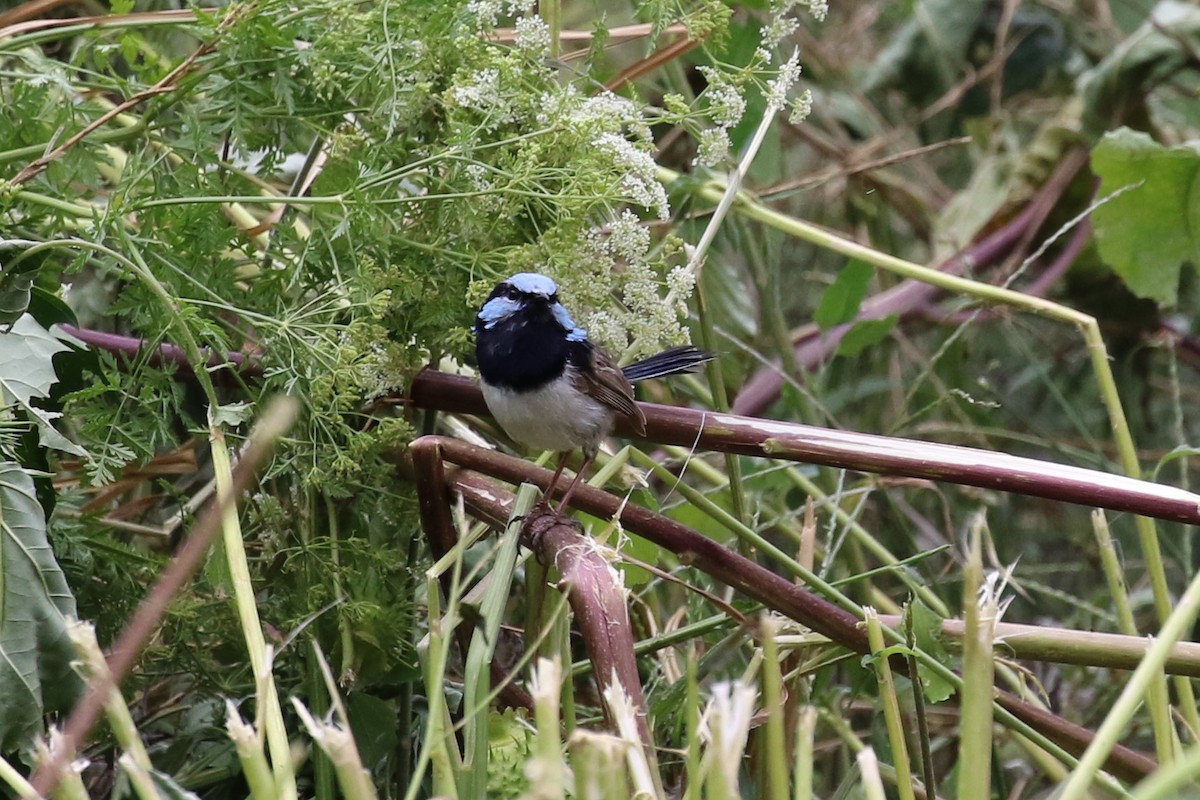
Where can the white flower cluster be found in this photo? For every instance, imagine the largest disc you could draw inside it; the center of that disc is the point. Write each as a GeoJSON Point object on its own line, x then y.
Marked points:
{"type": "Point", "coordinates": [801, 107]}
{"type": "Point", "coordinates": [726, 105]}
{"type": "Point", "coordinates": [488, 12]}
{"type": "Point", "coordinates": [640, 182]}
{"type": "Point", "coordinates": [628, 238]}
{"type": "Point", "coordinates": [533, 36]}
{"type": "Point", "coordinates": [779, 86]}
{"type": "Point", "coordinates": [483, 94]}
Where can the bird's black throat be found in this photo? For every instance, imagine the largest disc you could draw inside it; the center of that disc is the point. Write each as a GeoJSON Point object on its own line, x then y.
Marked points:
{"type": "Point", "coordinates": [526, 350]}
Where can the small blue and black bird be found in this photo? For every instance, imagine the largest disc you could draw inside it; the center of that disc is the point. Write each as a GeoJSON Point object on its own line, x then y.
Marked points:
{"type": "Point", "coordinates": [547, 385]}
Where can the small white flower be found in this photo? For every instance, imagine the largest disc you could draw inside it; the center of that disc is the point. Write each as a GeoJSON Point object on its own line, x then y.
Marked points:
{"type": "Point", "coordinates": [778, 87]}
{"type": "Point", "coordinates": [713, 147]}
{"type": "Point", "coordinates": [607, 109]}
{"type": "Point", "coordinates": [485, 12]}
{"type": "Point", "coordinates": [629, 238]}
{"type": "Point", "coordinates": [778, 29]}
{"type": "Point", "coordinates": [640, 182]}
{"type": "Point", "coordinates": [482, 92]}
{"type": "Point", "coordinates": [478, 175]}
{"type": "Point", "coordinates": [801, 107]}
{"type": "Point", "coordinates": [533, 36]}
{"type": "Point", "coordinates": [818, 8]}
{"type": "Point", "coordinates": [681, 281]}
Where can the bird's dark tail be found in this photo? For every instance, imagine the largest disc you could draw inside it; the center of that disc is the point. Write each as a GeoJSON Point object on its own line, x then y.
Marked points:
{"type": "Point", "coordinates": [668, 362]}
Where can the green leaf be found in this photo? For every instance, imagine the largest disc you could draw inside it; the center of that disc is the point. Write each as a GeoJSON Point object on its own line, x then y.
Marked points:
{"type": "Point", "coordinates": [16, 283]}
{"type": "Point", "coordinates": [35, 605]}
{"type": "Point", "coordinates": [927, 635]}
{"type": "Point", "coordinates": [841, 301]}
{"type": "Point", "coordinates": [1149, 231]}
{"type": "Point", "coordinates": [27, 372]}
{"type": "Point", "coordinates": [866, 333]}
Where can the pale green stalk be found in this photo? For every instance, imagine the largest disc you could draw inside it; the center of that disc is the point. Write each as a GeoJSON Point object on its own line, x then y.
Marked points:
{"type": "Point", "coordinates": [868, 765]}
{"type": "Point", "coordinates": [978, 681]}
{"type": "Point", "coordinates": [1089, 329]}
{"type": "Point", "coordinates": [338, 744]}
{"type": "Point", "coordinates": [552, 15]}
{"type": "Point", "coordinates": [135, 760]}
{"type": "Point", "coordinates": [647, 783]}
{"type": "Point", "coordinates": [598, 761]}
{"type": "Point", "coordinates": [247, 608]}
{"type": "Point", "coordinates": [15, 780]}
{"type": "Point", "coordinates": [1177, 625]}
{"type": "Point", "coordinates": [1172, 781]}
{"type": "Point", "coordinates": [545, 766]}
{"type": "Point", "coordinates": [477, 678]}
{"type": "Point", "coordinates": [438, 748]}
{"type": "Point", "coordinates": [806, 730]}
{"type": "Point", "coordinates": [695, 774]}
{"type": "Point", "coordinates": [344, 627]}
{"type": "Point", "coordinates": [247, 741]}
{"type": "Point", "coordinates": [1166, 742]}
{"type": "Point", "coordinates": [891, 706]}
{"type": "Point", "coordinates": [775, 744]}
{"type": "Point", "coordinates": [139, 777]}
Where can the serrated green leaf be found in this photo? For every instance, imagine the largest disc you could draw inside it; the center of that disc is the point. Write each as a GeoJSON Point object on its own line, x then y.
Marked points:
{"type": "Point", "coordinates": [842, 299]}
{"type": "Point", "coordinates": [865, 334]}
{"type": "Point", "coordinates": [35, 604]}
{"type": "Point", "coordinates": [1149, 231]}
{"type": "Point", "coordinates": [27, 372]}
{"type": "Point", "coordinates": [927, 634]}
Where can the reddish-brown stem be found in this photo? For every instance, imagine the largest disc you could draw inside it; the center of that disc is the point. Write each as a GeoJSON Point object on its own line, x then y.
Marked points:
{"type": "Point", "coordinates": [866, 453]}
{"type": "Point", "coordinates": [131, 348]}
{"type": "Point", "coordinates": [597, 599]}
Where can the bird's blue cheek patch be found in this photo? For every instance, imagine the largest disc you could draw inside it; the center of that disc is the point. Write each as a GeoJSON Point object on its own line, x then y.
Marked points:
{"type": "Point", "coordinates": [495, 310]}
{"type": "Point", "coordinates": [574, 332]}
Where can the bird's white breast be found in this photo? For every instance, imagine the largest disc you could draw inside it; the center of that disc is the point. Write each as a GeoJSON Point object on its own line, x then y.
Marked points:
{"type": "Point", "coordinates": [556, 416]}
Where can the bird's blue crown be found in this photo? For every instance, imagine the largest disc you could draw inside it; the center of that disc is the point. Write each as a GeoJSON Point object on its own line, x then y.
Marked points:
{"type": "Point", "coordinates": [516, 293]}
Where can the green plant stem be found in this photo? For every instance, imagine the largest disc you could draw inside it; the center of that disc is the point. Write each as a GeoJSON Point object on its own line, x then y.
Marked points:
{"type": "Point", "coordinates": [978, 677]}
{"type": "Point", "coordinates": [551, 13]}
{"type": "Point", "coordinates": [695, 776]}
{"type": "Point", "coordinates": [1157, 700]}
{"type": "Point", "coordinates": [247, 608]}
{"type": "Point", "coordinates": [15, 780]}
{"type": "Point", "coordinates": [891, 706]}
{"type": "Point", "coordinates": [720, 397]}
{"type": "Point", "coordinates": [775, 761]}
{"type": "Point", "coordinates": [1172, 782]}
{"type": "Point", "coordinates": [249, 747]}
{"type": "Point", "coordinates": [806, 729]}
{"type": "Point", "coordinates": [1176, 626]}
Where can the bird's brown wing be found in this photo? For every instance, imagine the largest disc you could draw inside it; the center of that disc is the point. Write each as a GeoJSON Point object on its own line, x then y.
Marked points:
{"type": "Point", "coordinates": [606, 383]}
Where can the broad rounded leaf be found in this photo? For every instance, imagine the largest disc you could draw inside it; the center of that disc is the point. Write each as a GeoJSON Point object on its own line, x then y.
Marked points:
{"type": "Point", "coordinates": [1149, 231]}
{"type": "Point", "coordinates": [35, 604]}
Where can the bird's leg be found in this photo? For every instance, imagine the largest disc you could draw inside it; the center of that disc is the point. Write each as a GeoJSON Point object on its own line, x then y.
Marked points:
{"type": "Point", "coordinates": [583, 468]}
{"type": "Point", "coordinates": [562, 462]}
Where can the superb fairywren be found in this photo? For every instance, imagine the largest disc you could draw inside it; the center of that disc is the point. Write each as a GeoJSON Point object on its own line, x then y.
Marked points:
{"type": "Point", "coordinates": [547, 385]}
